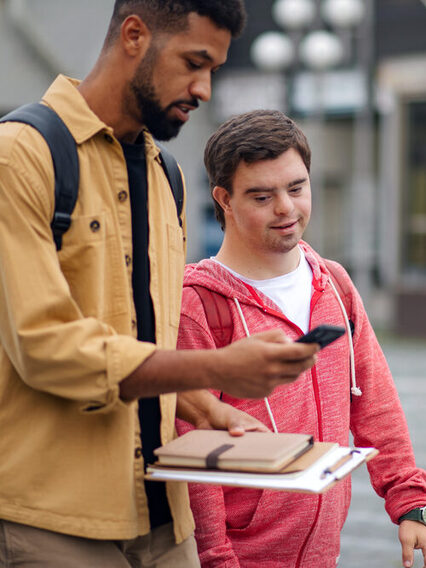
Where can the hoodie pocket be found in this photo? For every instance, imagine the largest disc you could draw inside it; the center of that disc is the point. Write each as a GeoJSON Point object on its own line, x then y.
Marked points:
{"type": "Point", "coordinates": [241, 506]}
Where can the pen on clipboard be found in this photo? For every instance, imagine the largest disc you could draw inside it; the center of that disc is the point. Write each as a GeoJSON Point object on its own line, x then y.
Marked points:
{"type": "Point", "coordinates": [333, 468]}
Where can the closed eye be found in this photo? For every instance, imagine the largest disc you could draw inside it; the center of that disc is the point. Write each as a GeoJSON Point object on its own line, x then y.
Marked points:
{"type": "Point", "coordinates": [192, 65]}
{"type": "Point", "coordinates": [261, 198]}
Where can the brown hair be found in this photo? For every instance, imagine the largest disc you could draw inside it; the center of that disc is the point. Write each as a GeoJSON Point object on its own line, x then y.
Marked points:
{"type": "Point", "coordinates": [250, 137]}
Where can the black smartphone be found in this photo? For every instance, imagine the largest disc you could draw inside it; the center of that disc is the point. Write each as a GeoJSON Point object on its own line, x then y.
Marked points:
{"type": "Point", "coordinates": [323, 335]}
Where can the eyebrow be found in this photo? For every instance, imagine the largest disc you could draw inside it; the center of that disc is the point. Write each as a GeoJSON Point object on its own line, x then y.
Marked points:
{"type": "Point", "coordinates": [297, 182]}
{"type": "Point", "coordinates": [270, 189]}
{"type": "Point", "coordinates": [204, 54]}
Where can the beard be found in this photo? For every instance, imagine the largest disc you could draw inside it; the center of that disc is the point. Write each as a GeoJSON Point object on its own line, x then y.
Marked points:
{"type": "Point", "coordinates": [153, 116]}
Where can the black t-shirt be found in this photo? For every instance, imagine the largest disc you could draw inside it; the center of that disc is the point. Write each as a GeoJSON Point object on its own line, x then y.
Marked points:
{"type": "Point", "coordinates": [149, 408]}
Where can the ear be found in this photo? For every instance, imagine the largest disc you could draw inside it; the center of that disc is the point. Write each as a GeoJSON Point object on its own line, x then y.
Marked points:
{"type": "Point", "coordinates": [135, 36]}
{"type": "Point", "coordinates": [223, 197]}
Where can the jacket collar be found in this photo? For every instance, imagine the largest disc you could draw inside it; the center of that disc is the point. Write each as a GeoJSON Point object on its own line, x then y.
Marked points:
{"type": "Point", "coordinates": [64, 97]}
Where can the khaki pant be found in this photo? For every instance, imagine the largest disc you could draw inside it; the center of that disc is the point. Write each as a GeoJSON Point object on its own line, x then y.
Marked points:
{"type": "Point", "coordinates": [22, 546]}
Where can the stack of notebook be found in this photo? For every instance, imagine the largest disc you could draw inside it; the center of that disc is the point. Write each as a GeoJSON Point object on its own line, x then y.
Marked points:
{"type": "Point", "coordinates": [216, 449]}
{"type": "Point", "coordinates": [289, 462]}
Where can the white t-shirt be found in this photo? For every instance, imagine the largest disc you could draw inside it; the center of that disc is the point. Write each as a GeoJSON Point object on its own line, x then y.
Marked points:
{"type": "Point", "coordinates": [291, 292]}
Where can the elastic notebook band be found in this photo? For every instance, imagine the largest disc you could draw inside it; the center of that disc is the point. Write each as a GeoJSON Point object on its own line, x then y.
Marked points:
{"type": "Point", "coordinates": [212, 457]}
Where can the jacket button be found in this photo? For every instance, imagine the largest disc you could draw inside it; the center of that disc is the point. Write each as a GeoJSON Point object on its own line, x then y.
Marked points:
{"type": "Point", "coordinates": [109, 138]}
{"type": "Point", "coordinates": [128, 260]}
{"type": "Point", "coordinates": [95, 225]}
{"type": "Point", "coordinates": [122, 196]}
{"type": "Point", "coordinates": [138, 453]}
{"type": "Point", "coordinates": [133, 324]}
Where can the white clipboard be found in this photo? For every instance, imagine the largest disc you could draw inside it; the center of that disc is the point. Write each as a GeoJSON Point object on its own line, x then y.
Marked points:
{"type": "Point", "coordinates": [318, 477]}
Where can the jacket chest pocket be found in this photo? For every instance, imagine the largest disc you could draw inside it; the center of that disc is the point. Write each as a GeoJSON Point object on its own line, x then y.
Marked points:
{"type": "Point", "coordinates": [91, 262]}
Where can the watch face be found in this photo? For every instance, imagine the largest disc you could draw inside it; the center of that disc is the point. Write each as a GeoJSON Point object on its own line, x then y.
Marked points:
{"type": "Point", "coordinates": [423, 514]}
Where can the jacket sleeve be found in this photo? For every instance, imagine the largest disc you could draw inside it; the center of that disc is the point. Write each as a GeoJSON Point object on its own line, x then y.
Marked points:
{"type": "Point", "coordinates": [377, 419]}
{"type": "Point", "coordinates": [48, 342]}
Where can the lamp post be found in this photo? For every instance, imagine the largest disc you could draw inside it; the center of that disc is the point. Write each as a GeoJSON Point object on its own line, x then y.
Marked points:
{"type": "Point", "coordinates": [319, 35]}
{"type": "Point", "coordinates": [345, 15]}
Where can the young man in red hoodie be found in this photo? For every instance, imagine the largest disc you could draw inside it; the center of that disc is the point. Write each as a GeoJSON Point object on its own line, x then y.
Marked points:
{"type": "Point", "coordinates": [258, 165]}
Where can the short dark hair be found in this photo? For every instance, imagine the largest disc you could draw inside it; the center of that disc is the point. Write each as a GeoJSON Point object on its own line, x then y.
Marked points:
{"type": "Point", "coordinates": [251, 137]}
{"type": "Point", "coordinates": [172, 15]}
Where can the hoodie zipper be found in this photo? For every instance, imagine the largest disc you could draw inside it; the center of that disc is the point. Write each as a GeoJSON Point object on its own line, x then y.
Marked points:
{"type": "Point", "coordinates": [315, 297]}
{"type": "Point", "coordinates": [270, 311]}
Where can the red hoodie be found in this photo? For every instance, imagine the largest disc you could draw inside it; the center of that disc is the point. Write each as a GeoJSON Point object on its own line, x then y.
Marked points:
{"type": "Point", "coordinates": [249, 528]}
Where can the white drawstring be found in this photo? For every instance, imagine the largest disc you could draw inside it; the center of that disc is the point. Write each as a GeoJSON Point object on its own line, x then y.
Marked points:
{"type": "Point", "coordinates": [268, 407]}
{"type": "Point", "coordinates": [355, 390]}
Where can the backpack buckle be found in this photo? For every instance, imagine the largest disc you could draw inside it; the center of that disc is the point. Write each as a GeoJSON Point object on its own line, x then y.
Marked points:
{"type": "Point", "coordinates": [61, 222]}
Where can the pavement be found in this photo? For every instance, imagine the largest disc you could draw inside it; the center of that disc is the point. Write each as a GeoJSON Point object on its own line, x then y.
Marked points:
{"type": "Point", "coordinates": [369, 539]}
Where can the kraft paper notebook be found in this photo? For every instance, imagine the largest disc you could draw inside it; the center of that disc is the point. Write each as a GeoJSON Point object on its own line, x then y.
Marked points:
{"type": "Point", "coordinates": [317, 470]}
{"type": "Point", "coordinates": [216, 449]}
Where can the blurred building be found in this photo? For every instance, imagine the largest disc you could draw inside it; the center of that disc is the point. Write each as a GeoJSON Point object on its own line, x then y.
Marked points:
{"type": "Point", "coordinates": [369, 140]}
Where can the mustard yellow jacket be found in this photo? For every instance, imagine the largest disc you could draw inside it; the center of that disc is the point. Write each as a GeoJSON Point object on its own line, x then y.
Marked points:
{"type": "Point", "coordinates": [70, 458]}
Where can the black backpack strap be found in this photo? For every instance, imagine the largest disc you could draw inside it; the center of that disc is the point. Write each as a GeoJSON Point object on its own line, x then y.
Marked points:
{"type": "Point", "coordinates": [172, 171]}
{"type": "Point", "coordinates": [64, 156]}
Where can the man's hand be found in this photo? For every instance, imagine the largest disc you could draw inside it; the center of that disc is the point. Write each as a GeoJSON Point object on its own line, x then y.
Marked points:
{"type": "Point", "coordinates": [252, 367]}
{"type": "Point", "coordinates": [205, 411]}
{"type": "Point", "coordinates": [412, 536]}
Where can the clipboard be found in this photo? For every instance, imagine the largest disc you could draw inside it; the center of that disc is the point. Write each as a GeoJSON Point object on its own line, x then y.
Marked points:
{"type": "Point", "coordinates": [315, 473]}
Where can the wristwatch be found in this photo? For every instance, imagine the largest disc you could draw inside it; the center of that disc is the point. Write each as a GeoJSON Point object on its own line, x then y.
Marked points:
{"type": "Point", "coordinates": [418, 514]}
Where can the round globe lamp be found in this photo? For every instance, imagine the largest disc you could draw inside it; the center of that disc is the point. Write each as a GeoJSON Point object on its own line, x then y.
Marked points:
{"type": "Point", "coordinates": [272, 51]}
{"type": "Point", "coordinates": [293, 14]}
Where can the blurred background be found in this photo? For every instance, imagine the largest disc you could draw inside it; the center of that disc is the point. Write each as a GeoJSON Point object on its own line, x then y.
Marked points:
{"type": "Point", "coordinates": [352, 73]}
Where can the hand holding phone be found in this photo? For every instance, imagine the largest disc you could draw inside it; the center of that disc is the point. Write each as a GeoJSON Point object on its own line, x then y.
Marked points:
{"type": "Point", "coordinates": [323, 335]}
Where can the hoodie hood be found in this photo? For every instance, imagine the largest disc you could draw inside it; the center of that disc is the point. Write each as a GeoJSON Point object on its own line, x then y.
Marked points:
{"type": "Point", "coordinates": [214, 276]}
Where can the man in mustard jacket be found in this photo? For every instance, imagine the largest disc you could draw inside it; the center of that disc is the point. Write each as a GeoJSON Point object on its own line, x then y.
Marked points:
{"type": "Point", "coordinates": [88, 367]}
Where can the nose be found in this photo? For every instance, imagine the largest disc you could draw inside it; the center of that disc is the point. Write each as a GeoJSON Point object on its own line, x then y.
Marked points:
{"type": "Point", "coordinates": [283, 204]}
{"type": "Point", "coordinates": [201, 88]}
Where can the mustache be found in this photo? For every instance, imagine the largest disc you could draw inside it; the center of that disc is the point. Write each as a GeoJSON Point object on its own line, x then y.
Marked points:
{"type": "Point", "coordinates": [191, 102]}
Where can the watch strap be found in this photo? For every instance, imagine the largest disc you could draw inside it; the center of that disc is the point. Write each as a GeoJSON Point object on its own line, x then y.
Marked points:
{"type": "Point", "coordinates": [417, 514]}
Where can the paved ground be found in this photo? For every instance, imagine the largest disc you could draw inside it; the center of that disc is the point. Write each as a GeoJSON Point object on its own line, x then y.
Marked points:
{"type": "Point", "coordinates": [369, 539]}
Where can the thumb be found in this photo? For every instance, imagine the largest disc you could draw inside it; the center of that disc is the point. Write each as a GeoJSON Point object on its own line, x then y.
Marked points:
{"type": "Point", "coordinates": [236, 429]}
{"type": "Point", "coordinates": [238, 426]}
